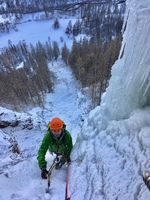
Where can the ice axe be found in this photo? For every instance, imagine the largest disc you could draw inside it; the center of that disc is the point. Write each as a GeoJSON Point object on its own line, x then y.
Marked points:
{"type": "Point", "coordinates": [49, 175]}
{"type": "Point", "coordinates": [48, 178]}
{"type": "Point", "coordinates": [52, 167]}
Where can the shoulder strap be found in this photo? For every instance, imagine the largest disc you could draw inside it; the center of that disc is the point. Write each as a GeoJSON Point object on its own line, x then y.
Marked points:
{"type": "Point", "coordinates": [64, 136]}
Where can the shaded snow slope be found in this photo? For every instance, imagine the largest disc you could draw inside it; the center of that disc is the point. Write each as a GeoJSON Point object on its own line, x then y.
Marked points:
{"type": "Point", "coordinates": [22, 182]}
{"type": "Point", "coordinates": [109, 164]}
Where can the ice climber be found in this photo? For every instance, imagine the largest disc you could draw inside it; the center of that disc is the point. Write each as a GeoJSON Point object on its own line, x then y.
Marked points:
{"type": "Point", "coordinates": [58, 141]}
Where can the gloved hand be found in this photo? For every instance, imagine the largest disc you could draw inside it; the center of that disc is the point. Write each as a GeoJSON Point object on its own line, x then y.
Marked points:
{"type": "Point", "coordinates": [69, 161]}
{"type": "Point", "coordinates": [58, 165]}
{"type": "Point", "coordinates": [44, 173]}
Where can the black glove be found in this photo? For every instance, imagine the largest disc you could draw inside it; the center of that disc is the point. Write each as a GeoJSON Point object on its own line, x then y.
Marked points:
{"type": "Point", "coordinates": [58, 165]}
{"type": "Point", "coordinates": [44, 173]}
{"type": "Point", "coordinates": [69, 161]}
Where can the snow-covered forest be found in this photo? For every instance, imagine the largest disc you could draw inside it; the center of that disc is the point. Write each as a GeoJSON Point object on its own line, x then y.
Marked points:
{"type": "Point", "coordinates": [111, 142]}
{"type": "Point", "coordinates": [98, 31]}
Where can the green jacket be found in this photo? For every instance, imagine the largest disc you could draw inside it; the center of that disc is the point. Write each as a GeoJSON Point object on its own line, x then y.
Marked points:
{"type": "Point", "coordinates": [61, 146]}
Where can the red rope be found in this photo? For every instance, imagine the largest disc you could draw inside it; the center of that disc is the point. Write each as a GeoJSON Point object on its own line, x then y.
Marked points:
{"type": "Point", "coordinates": [67, 179]}
{"type": "Point", "coordinates": [67, 195]}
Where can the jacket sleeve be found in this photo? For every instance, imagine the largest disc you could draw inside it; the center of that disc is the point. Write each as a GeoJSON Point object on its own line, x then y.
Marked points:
{"type": "Point", "coordinates": [42, 150]}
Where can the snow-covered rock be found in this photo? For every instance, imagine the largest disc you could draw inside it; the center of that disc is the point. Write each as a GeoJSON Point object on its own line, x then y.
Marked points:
{"type": "Point", "coordinates": [13, 119]}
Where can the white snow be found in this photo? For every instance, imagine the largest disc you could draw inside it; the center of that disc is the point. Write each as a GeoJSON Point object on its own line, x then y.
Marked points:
{"type": "Point", "coordinates": [32, 30]}
{"type": "Point", "coordinates": [111, 150]}
{"type": "Point", "coordinates": [20, 174]}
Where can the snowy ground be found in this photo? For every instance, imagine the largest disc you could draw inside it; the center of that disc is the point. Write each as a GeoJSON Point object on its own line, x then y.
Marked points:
{"type": "Point", "coordinates": [109, 163]}
{"type": "Point", "coordinates": [31, 30]}
{"type": "Point", "coordinates": [111, 151]}
{"type": "Point", "coordinates": [19, 174]}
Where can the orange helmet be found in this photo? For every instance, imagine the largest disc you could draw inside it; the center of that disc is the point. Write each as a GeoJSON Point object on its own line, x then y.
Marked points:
{"type": "Point", "coordinates": [56, 124]}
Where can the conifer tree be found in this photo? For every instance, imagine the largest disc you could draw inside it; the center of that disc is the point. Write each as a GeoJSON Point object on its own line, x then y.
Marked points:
{"type": "Point", "coordinates": [65, 54]}
{"type": "Point", "coordinates": [56, 51]}
{"type": "Point", "coordinates": [56, 24]}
